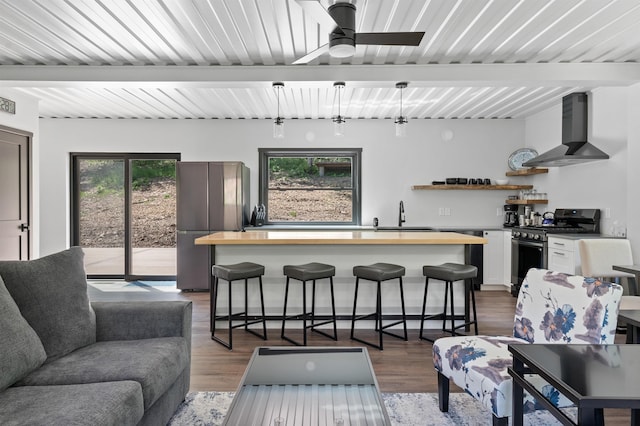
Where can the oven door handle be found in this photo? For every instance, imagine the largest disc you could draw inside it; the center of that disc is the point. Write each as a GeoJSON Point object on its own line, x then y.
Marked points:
{"type": "Point", "coordinates": [530, 244]}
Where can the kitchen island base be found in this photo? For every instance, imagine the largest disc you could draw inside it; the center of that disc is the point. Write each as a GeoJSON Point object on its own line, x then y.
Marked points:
{"type": "Point", "coordinates": [345, 250]}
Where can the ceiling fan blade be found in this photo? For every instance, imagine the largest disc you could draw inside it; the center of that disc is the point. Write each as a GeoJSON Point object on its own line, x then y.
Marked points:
{"type": "Point", "coordinates": [319, 14]}
{"type": "Point", "coordinates": [312, 55]}
{"type": "Point", "coordinates": [390, 39]}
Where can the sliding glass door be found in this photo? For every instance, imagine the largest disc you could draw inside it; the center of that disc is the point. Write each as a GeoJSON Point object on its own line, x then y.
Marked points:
{"type": "Point", "coordinates": [124, 214]}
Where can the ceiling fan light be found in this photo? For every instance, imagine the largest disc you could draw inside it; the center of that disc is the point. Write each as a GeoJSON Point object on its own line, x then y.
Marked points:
{"type": "Point", "coordinates": [342, 50]}
{"type": "Point", "coordinates": [278, 128]}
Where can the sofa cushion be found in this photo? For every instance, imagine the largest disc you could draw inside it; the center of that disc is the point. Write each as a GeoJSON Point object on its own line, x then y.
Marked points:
{"type": "Point", "coordinates": [96, 404]}
{"type": "Point", "coordinates": [154, 363]}
{"type": "Point", "coordinates": [51, 293]}
{"type": "Point", "coordinates": [21, 350]}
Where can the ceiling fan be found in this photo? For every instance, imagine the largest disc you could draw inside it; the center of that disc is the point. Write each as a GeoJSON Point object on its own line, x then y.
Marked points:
{"type": "Point", "coordinates": [343, 39]}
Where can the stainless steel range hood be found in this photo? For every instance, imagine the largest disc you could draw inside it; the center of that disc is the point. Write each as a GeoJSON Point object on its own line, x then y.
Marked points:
{"type": "Point", "coordinates": [575, 148]}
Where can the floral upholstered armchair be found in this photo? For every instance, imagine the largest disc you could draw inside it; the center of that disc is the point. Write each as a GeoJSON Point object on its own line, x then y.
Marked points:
{"type": "Point", "coordinates": [552, 307]}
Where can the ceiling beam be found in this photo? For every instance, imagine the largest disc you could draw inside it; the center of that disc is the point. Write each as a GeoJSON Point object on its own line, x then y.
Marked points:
{"type": "Point", "coordinates": [496, 75]}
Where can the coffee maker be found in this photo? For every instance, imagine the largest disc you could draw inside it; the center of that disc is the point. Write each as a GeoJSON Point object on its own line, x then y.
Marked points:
{"type": "Point", "coordinates": [510, 215]}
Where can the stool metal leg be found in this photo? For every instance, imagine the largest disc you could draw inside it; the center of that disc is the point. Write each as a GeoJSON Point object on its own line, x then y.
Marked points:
{"type": "Point", "coordinates": [453, 328]}
{"type": "Point", "coordinates": [473, 307]}
{"type": "Point", "coordinates": [304, 312]}
{"type": "Point", "coordinates": [333, 313]}
{"type": "Point", "coordinates": [333, 310]}
{"type": "Point", "coordinates": [284, 313]}
{"type": "Point", "coordinates": [246, 304]}
{"type": "Point", "coordinates": [444, 309]}
{"type": "Point", "coordinates": [355, 303]}
{"type": "Point", "coordinates": [213, 297]}
{"type": "Point", "coordinates": [237, 316]}
{"type": "Point", "coordinates": [468, 321]}
{"type": "Point", "coordinates": [379, 315]}
{"type": "Point", "coordinates": [403, 321]}
{"type": "Point", "coordinates": [404, 312]}
{"type": "Point", "coordinates": [247, 323]}
{"type": "Point", "coordinates": [264, 321]}
{"type": "Point", "coordinates": [424, 306]}
{"type": "Point", "coordinates": [214, 316]}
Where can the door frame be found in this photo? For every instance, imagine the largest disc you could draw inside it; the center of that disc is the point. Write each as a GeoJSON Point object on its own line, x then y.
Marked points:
{"type": "Point", "coordinates": [74, 189]}
{"type": "Point", "coordinates": [29, 186]}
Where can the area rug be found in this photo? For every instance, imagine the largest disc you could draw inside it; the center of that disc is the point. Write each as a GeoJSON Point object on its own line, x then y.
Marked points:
{"type": "Point", "coordinates": [404, 409]}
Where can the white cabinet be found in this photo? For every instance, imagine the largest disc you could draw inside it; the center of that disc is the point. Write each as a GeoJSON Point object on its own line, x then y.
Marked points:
{"type": "Point", "coordinates": [563, 255]}
{"type": "Point", "coordinates": [496, 255]}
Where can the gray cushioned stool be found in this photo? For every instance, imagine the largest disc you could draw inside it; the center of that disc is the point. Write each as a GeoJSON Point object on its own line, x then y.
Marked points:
{"type": "Point", "coordinates": [303, 273]}
{"type": "Point", "coordinates": [240, 271]}
{"type": "Point", "coordinates": [378, 272]}
{"type": "Point", "coordinates": [449, 272]}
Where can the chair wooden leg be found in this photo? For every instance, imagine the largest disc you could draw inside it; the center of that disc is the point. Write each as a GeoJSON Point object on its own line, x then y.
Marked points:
{"type": "Point", "coordinates": [443, 392]}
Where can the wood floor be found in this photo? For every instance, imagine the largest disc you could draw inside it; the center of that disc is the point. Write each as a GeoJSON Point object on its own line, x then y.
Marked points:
{"type": "Point", "coordinates": [401, 367]}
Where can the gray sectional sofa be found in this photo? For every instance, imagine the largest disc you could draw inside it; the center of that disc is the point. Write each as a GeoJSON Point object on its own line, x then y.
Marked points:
{"type": "Point", "coordinates": [66, 361]}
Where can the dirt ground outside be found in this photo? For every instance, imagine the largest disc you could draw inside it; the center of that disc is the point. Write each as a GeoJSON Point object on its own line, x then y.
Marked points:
{"type": "Point", "coordinates": [154, 210]}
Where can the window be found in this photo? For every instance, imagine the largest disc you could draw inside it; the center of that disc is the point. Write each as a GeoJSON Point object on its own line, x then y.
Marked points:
{"type": "Point", "coordinates": [310, 186]}
{"type": "Point", "coordinates": [124, 214]}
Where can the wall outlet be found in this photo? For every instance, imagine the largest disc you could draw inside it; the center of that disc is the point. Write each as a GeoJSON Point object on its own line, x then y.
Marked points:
{"type": "Point", "coordinates": [447, 211]}
{"type": "Point", "coordinates": [441, 211]}
{"type": "Point", "coordinates": [498, 211]}
{"type": "Point", "coordinates": [607, 213]}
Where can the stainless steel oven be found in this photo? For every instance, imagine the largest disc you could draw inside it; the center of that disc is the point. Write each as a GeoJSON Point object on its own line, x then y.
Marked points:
{"type": "Point", "coordinates": [525, 254]}
{"type": "Point", "coordinates": [529, 243]}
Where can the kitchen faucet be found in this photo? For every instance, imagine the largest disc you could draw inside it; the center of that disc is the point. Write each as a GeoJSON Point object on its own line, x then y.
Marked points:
{"type": "Point", "coordinates": [401, 218]}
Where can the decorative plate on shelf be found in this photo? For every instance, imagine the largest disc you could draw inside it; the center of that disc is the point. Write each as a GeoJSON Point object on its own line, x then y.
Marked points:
{"type": "Point", "coordinates": [520, 156]}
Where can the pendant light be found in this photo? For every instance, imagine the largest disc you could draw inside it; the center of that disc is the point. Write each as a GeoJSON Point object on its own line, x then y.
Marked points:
{"type": "Point", "coordinates": [338, 120]}
{"type": "Point", "coordinates": [401, 121]}
{"type": "Point", "coordinates": [278, 123]}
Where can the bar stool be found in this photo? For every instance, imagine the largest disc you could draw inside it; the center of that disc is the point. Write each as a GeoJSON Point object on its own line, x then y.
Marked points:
{"type": "Point", "coordinates": [378, 272]}
{"type": "Point", "coordinates": [449, 272]}
{"type": "Point", "coordinates": [303, 273]}
{"type": "Point", "coordinates": [240, 271]}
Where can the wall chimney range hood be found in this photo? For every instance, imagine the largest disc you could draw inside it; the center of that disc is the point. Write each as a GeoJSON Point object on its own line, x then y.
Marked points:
{"type": "Point", "coordinates": [575, 148]}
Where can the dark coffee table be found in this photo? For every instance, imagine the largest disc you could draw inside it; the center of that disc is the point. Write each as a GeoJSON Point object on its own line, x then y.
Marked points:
{"type": "Point", "coordinates": [630, 269]}
{"type": "Point", "coordinates": [593, 377]}
{"type": "Point", "coordinates": [631, 317]}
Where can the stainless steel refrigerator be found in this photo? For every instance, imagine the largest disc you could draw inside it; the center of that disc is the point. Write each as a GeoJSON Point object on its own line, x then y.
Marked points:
{"type": "Point", "coordinates": [211, 196]}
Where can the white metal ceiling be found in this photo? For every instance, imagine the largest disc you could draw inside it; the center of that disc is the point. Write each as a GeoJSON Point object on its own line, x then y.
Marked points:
{"type": "Point", "coordinates": [215, 36]}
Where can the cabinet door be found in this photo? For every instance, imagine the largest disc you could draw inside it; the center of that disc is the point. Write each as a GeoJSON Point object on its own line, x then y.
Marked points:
{"type": "Point", "coordinates": [494, 258]}
{"type": "Point", "coordinates": [561, 261]}
{"type": "Point", "coordinates": [563, 256]}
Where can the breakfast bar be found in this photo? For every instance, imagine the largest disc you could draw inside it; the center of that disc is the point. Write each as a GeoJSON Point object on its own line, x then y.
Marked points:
{"type": "Point", "coordinates": [344, 250]}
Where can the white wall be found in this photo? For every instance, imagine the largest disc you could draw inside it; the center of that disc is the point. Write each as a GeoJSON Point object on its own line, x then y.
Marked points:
{"type": "Point", "coordinates": [599, 184]}
{"type": "Point", "coordinates": [633, 174]}
{"type": "Point", "coordinates": [26, 119]}
{"type": "Point", "coordinates": [479, 148]}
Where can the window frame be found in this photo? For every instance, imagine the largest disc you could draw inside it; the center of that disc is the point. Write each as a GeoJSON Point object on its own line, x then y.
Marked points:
{"type": "Point", "coordinates": [356, 172]}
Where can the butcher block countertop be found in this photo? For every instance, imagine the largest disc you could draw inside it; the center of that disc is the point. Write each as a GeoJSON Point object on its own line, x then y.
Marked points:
{"type": "Point", "coordinates": [336, 237]}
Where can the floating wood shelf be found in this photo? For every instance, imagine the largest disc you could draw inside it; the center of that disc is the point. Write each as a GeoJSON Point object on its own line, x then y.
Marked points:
{"type": "Point", "coordinates": [472, 187]}
{"type": "Point", "coordinates": [527, 172]}
{"type": "Point", "coordinates": [524, 202]}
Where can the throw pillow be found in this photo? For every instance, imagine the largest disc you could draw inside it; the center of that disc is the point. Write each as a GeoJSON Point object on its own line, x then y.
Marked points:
{"type": "Point", "coordinates": [51, 293]}
{"type": "Point", "coordinates": [21, 350]}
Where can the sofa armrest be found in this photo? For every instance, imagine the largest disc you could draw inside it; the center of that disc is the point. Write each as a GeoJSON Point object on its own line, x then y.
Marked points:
{"type": "Point", "coordinates": [142, 320]}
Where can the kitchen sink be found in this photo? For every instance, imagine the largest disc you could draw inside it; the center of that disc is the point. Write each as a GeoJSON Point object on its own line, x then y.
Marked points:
{"type": "Point", "coordinates": [406, 228]}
